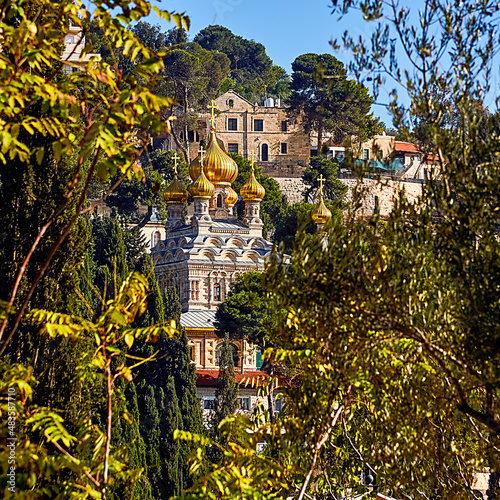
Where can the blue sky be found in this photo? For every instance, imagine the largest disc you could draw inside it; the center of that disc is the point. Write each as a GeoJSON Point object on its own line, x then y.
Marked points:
{"type": "Point", "coordinates": [289, 28]}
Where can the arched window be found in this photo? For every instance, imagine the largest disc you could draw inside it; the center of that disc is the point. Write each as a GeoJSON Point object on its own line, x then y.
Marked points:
{"type": "Point", "coordinates": [219, 201]}
{"type": "Point", "coordinates": [264, 155]}
{"type": "Point", "coordinates": [155, 239]}
{"type": "Point", "coordinates": [218, 352]}
{"type": "Point", "coordinates": [217, 292]}
{"type": "Point", "coordinates": [230, 103]}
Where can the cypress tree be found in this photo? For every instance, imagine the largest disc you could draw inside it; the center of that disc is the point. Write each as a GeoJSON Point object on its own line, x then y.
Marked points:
{"type": "Point", "coordinates": [189, 403]}
{"type": "Point", "coordinates": [127, 434]}
{"type": "Point", "coordinates": [226, 397]}
{"type": "Point", "coordinates": [170, 450]}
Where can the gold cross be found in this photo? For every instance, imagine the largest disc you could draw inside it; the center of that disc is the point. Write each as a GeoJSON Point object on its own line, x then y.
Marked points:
{"type": "Point", "coordinates": [202, 154]}
{"type": "Point", "coordinates": [253, 155]}
{"type": "Point", "coordinates": [321, 180]}
{"type": "Point", "coordinates": [212, 107]}
{"type": "Point", "coordinates": [175, 157]}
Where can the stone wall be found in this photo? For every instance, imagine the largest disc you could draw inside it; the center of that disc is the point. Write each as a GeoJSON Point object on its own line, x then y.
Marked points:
{"type": "Point", "coordinates": [292, 188]}
{"type": "Point", "coordinates": [377, 195]}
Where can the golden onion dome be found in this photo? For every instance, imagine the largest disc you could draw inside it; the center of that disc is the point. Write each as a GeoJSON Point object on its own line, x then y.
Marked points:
{"type": "Point", "coordinates": [321, 214]}
{"type": "Point", "coordinates": [232, 197]}
{"type": "Point", "coordinates": [175, 192]}
{"type": "Point", "coordinates": [202, 187]}
{"type": "Point", "coordinates": [252, 190]}
{"type": "Point", "coordinates": [220, 168]}
{"type": "Point", "coordinates": [195, 168]}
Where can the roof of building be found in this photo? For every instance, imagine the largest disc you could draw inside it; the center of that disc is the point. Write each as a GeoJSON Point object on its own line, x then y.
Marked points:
{"type": "Point", "coordinates": [208, 378]}
{"type": "Point", "coordinates": [199, 319]}
{"type": "Point", "coordinates": [407, 147]}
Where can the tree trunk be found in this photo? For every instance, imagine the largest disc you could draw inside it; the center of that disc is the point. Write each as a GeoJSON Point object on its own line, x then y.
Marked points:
{"type": "Point", "coordinates": [186, 140]}
{"type": "Point", "coordinates": [320, 137]}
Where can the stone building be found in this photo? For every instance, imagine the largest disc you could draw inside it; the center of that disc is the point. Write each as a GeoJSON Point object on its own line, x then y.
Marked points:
{"type": "Point", "coordinates": [74, 43]}
{"type": "Point", "coordinates": [243, 127]}
{"type": "Point", "coordinates": [200, 257]}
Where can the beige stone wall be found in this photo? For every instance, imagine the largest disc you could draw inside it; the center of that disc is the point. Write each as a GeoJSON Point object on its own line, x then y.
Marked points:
{"type": "Point", "coordinates": [382, 194]}
{"type": "Point", "coordinates": [292, 188]}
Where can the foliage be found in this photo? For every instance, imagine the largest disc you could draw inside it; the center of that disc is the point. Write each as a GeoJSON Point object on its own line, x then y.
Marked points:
{"type": "Point", "coordinates": [100, 118]}
{"type": "Point", "coordinates": [85, 462]}
{"type": "Point", "coordinates": [333, 189]}
{"type": "Point", "coordinates": [226, 399]}
{"type": "Point", "coordinates": [296, 218]}
{"type": "Point", "coordinates": [327, 101]}
{"type": "Point", "coordinates": [247, 312]}
{"type": "Point", "coordinates": [252, 70]}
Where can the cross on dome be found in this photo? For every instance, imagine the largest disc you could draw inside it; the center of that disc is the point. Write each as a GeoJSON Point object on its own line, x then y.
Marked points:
{"type": "Point", "coordinates": [202, 154]}
{"type": "Point", "coordinates": [321, 181]}
{"type": "Point", "coordinates": [212, 107]}
{"type": "Point", "coordinates": [175, 157]}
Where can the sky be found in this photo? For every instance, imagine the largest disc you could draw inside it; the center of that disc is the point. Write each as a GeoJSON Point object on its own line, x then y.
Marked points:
{"type": "Point", "coordinates": [287, 28]}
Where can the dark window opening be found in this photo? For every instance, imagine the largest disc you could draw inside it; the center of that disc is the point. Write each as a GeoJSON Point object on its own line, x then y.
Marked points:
{"type": "Point", "coordinates": [219, 201]}
{"type": "Point", "coordinates": [284, 126]}
{"type": "Point", "coordinates": [232, 147]}
{"type": "Point", "coordinates": [284, 148]}
{"type": "Point", "coordinates": [217, 289]}
{"type": "Point", "coordinates": [265, 152]}
{"type": "Point", "coordinates": [190, 135]}
{"type": "Point", "coordinates": [314, 152]}
{"type": "Point", "coordinates": [258, 125]}
{"type": "Point", "coordinates": [209, 404]}
{"type": "Point", "coordinates": [234, 349]}
{"type": "Point", "coordinates": [232, 124]}
{"type": "Point", "coordinates": [230, 103]}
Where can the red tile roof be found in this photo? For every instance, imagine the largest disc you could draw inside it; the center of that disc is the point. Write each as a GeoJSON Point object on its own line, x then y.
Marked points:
{"type": "Point", "coordinates": [406, 147]}
{"type": "Point", "coordinates": [208, 378]}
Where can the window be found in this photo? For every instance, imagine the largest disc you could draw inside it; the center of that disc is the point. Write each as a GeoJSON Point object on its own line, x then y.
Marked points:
{"type": "Point", "coordinates": [217, 285]}
{"type": "Point", "coordinates": [258, 125]}
{"type": "Point", "coordinates": [340, 155]}
{"type": "Point", "coordinates": [232, 147]}
{"type": "Point", "coordinates": [264, 154]}
{"type": "Point", "coordinates": [284, 148]}
{"type": "Point", "coordinates": [376, 207]}
{"type": "Point", "coordinates": [284, 126]}
{"type": "Point", "coordinates": [67, 69]}
{"type": "Point", "coordinates": [232, 124]}
{"type": "Point", "coordinates": [245, 404]}
{"type": "Point", "coordinates": [258, 358]}
{"type": "Point", "coordinates": [234, 349]}
{"type": "Point", "coordinates": [314, 152]}
{"type": "Point", "coordinates": [230, 103]}
{"type": "Point", "coordinates": [209, 403]}
{"type": "Point", "coordinates": [192, 136]}
{"type": "Point", "coordinates": [366, 154]}
{"type": "Point", "coordinates": [219, 205]}
{"type": "Point", "coordinates": [278, 404]}
{"type": "Point", "coordinates": [155, 239]}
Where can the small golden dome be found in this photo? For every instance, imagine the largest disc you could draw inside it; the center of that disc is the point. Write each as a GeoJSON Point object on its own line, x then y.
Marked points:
{"type": "Point", "coordinates": [175, 192]}
{"type": "Point", "coordinates": [220, 168]}
{"type": "Point", "coordinates": [321, 214]}
{"type": "Point", "coordinates": [232, 197]}
{"type": "Point", "coordinates": [202, 187]}
{"type": "Point", "coordinates": [195, 168]}
{"type": "Point", "coordinates": [252, 190]}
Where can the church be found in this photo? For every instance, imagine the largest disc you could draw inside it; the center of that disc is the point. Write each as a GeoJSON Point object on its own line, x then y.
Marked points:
{"type": "Point", "coordinates": [200, 257]}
